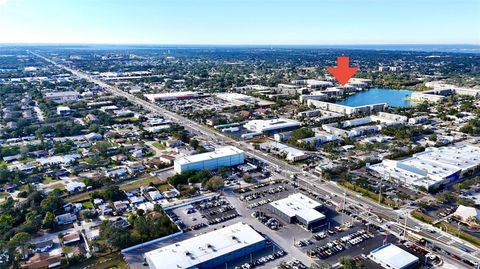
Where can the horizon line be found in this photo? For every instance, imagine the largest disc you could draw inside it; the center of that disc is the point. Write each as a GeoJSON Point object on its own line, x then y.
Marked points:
{"type": "Point", "coordinates": [232, 44]}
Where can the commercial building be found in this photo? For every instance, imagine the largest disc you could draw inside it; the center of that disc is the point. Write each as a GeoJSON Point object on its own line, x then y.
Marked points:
{"type": "Point", "coordinates": [298, 208]}
{"type": "Point", "coordinates": [392, 257]}
{"type": "Point", "coordinates": [271, 126]}
{"type": "Point", "coordinates": [440, 90]}
{"type": "Point", "coordinates": [62, 97]}
{"type": "Point", "coordinates": [467, 214]}
{"type": "Point", "coordinates": [364, 126]}
{"type": "Point", "coordinates": [433, 167]}
{"type": "Point", "coordinates": [210, 250]}
{"type": "Point", "coordinates": [290, 153]}
{"type": "Point", "coordinates": [155, 97]}
{"type": "Point", "coordinates": [224, 156]}
{"type": "Point", "coordinates": [242, 99]}
{"type": "Point", "coordinates": [347, 110]}
{"type": "Point", "coordinates": [63, 110]}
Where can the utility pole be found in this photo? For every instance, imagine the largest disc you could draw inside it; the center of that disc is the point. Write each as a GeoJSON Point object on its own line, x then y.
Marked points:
{"type": "Point", "coordinates": [380, 192]}
{"type": "Point", "coordinates": [343, 208]}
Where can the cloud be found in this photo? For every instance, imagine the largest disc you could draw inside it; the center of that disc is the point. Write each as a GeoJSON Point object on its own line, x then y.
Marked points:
{"type": "Point", "coordinates": [3, 2]}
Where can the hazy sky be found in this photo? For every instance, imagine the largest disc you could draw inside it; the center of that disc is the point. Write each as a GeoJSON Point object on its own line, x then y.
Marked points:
{"type": "Point", "coordinates": [240, 21]}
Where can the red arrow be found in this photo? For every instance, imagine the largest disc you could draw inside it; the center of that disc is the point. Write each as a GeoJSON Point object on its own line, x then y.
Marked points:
{"type": "Point", "coordinates": [342, 72]}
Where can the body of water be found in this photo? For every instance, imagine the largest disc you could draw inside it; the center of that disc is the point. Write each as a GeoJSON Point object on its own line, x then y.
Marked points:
{"type": "Point", "coordinates": [394, 98]}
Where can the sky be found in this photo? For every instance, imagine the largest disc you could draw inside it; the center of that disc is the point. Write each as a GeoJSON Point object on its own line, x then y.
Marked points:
{"type": "Point", "coordinates": [241, 22]}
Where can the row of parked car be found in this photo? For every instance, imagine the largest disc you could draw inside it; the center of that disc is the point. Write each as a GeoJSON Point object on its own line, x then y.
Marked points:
{"type": "Point", "coordinates": [356, 238]}
{"type": "Point", "coordinates": [295, 264]}
{"type": "Point", "coordinates": [263, 193]}
{"type": "Point", "coordinates": [268, 221]}
{"type": "Point", "coordinates": [197, 226]}
{"type": "Point", "coordinates": [262, 260]}
{"type": "Point", "coordinates": [223, 218]}
{"type": "Point", "coordinates": [338, 245]}
{"type": "Point", "coordinates": [259, 203]}
{"type": "Point", "coordinates": [211, 204]}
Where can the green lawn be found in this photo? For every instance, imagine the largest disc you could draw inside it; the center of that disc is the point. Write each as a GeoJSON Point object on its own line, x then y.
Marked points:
{"type": "Point", "coordinates": [140, 183]}
{"type": "Point", "coordinates": [59, 186]}
{"type": "Point", "coordinates": [79, 198]}
{"type": "Point", "coordinates": [367, 193]}
{"type": "Point", "coordinates": [88, 204]}
{"type": "Point", "coordinates": [158, 145]}
{"type": "Point", "coordinates": [111, 261]}
{"type": "Point", "coordinates": [47, 180]}
{"type": "Point", "coordinates": [4, 195]}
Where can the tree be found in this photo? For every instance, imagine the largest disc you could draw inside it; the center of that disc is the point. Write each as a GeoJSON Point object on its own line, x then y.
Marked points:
{"type": "Point", "coordinates": [113, 193]}
{"type": "Point", "coordinates": [19, 240]}
{"type": "Point", "coordinates": [53, 202]}
{"type": "Point", "coordinates": [102, 147]}
{"type": "Point", "coordinates": [215, 183]}
{"type": "Point", "coordinates": [247, 177]}
{"type": "Point", "coordinates": [48, 221]}
{"type": "Point", "coordinates": [194, 143]}
{"type": "Point", "coordinates": [348, 263]}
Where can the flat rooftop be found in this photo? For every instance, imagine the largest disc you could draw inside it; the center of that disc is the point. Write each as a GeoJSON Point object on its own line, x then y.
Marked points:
{"type": "Point", "coordinates": [218, 153]}
{"type": "Point", "coordinates": [432, 165]}
{"type": "Point", "coordinates": [194, 251]}
{"type": "Point", "coordinates": [393, 256]}
{"type": "Point", "coordinates": [299, 205]}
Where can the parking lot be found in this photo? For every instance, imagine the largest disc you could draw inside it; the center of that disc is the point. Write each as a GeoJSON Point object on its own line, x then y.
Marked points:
{"type": "Point", "coordinates": [188, 105]}
{"type": "Point", "coordinates": [216, 211]}
{"type": "Point", "coordinates": [201, 214]}
{"type": "Point", "coordinates": [357, 241]}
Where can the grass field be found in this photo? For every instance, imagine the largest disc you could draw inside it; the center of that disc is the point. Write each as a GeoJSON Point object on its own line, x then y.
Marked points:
{"type": "Point", "coordinates": [59, 186]}
{"type": "Point", "coordinates": [79, 198]}
{"type": "Point", "coordinates": [112, 261]}
{"type": "Point", "coordinates": [144, 182]}
{"type": "Point", "coordinates": [88, 204]}
{"type": "Point", "coordinates": [158, 145]}
{"type": "Point", "coordinates": [367, 193]}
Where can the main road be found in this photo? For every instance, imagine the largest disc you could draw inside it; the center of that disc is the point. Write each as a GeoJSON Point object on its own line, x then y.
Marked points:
{"type": "Point", "coordinates": [306, 179]}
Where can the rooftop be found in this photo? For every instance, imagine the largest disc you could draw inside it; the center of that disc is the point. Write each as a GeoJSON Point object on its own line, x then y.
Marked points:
{"type": "Point", "coordinates": [299, 205]}
{"type": "Point", "coordinates": [194, 251]}
{"type": "Point", "coordinates": [218, 153]}
{"type": "Point", "coordinates": [394, 256]}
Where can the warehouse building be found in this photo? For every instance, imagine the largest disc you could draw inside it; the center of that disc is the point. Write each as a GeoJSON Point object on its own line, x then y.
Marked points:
{"type": "Point", "coordinates": [224, 156]}
{"type": "Point", "coordinates": [298, 208]}
{"type": "Point", "coordinates": [393, 257]}
{"type": "Point", "coordinates": [272, 125]}
{"type": "Point", "coordinates": [63, 97]}
{"type": "Point", "coordinates": [433, 167]}
{"type": "Point", "coordinates": [347, 110]}
{"type": "Point", "coordinates": [210, 250]}
{"type": "Point", "coordinates": [156, 97]}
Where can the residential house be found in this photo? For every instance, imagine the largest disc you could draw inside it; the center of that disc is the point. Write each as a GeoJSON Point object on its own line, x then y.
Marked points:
{"type": "Point", "coordinates": [66, 218]}
{"type": "Point", "coordinates": [43, 246]}
{"type": "Point", "coordinates": [42, 260]}
{"type": "Point", "coordinates": [71, 238]}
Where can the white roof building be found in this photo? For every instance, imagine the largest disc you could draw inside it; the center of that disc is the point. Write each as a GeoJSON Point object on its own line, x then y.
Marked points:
{"type": "Point", "coordinates": [74, 186]}
{"type": "Point", "coordinates": [298, 206]}
{"type": "Point", "coordinates": [224, 156]}
{"type": "Point", "coordinates": [171, 96]}
{"type": "Point", "coordinates": [271, 125]}
{"type": "Point", "coordinates": [467, 213]}
{"type": "Point", "coordinates": [391, 256]}
{"type": "Point", "coordinates": [432, 167]}
{"type": "Point", "coordinates": [216, 246]}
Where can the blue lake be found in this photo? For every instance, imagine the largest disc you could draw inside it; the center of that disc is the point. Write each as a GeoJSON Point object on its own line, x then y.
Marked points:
{"type": "Point", "coordinates": [394, 98]}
